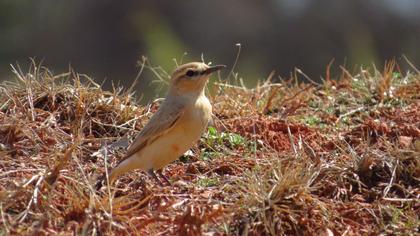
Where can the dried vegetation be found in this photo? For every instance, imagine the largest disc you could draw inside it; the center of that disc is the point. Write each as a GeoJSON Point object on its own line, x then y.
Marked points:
{"type": "Point", "coordinates": [341, 157]}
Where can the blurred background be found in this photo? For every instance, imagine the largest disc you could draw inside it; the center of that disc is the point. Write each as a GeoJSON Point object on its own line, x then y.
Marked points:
{"type": "Point", "coordinates": [105, 39]}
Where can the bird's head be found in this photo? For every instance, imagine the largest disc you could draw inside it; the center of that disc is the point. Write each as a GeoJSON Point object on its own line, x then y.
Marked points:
{"type": "Point", "coordinates": [191, 78]}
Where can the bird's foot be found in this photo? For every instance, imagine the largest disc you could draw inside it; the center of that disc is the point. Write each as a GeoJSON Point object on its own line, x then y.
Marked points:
{"type": "Point", "coordinates": [99, 182]}
{"type": "Point", "coordinates": [152, 173]}
{"type": "Point", "coordinates": [164, 177]}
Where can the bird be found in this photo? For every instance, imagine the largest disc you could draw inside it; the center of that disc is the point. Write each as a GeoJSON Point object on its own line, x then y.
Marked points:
{"type": "Point", "coordinates": [178, 123]}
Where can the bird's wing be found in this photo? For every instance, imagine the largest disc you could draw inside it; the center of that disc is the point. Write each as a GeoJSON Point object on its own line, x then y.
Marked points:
{"type": "Point", "coordinates": [160, 123]}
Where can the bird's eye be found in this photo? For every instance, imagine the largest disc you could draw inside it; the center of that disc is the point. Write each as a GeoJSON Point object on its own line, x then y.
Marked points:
{"type": "Point", "coordinates": [190, 73]}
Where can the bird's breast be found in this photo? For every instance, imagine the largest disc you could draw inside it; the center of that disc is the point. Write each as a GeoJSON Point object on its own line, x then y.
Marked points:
{"type": "Point", "coordinates": [200, 112]}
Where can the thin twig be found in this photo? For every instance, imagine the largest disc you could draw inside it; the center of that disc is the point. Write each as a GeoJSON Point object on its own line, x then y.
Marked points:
{"type": "Point", "coordinates": [350, 113]}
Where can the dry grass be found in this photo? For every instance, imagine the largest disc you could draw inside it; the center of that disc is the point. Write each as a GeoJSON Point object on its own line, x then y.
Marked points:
{"type": "Point", "coordinates": [341, 157]}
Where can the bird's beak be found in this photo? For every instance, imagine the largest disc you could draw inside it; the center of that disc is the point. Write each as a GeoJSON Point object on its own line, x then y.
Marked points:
{"type": "Point", "coordinates": [212, 69]}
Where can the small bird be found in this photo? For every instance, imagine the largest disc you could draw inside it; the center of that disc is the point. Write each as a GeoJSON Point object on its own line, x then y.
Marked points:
{"type": "Point", "coordinates": [175, 127]}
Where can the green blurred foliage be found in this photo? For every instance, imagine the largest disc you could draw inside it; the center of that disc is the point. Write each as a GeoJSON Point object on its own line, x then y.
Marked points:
{"type": "Point", "coordinates": [105, 39]}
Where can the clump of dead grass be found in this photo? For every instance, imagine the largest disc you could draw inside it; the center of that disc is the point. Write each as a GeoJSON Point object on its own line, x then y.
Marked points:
{"type": "Point", "coordinates": [341, 157]}
{"type": "Point", "coordinates": [50, 125]}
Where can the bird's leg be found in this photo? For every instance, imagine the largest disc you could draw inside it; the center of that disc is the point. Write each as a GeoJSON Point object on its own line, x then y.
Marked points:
{"type": "Point", "coordinates": [100, 181]}
{"type": "Point", "coordinates": [163, 177]}
{"type": "Point", "coordinates": [152, 173]}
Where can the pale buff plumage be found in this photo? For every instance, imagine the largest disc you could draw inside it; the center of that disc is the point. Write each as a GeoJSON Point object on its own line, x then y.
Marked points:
{"type": "Point", "coordinates": [176, 126]}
